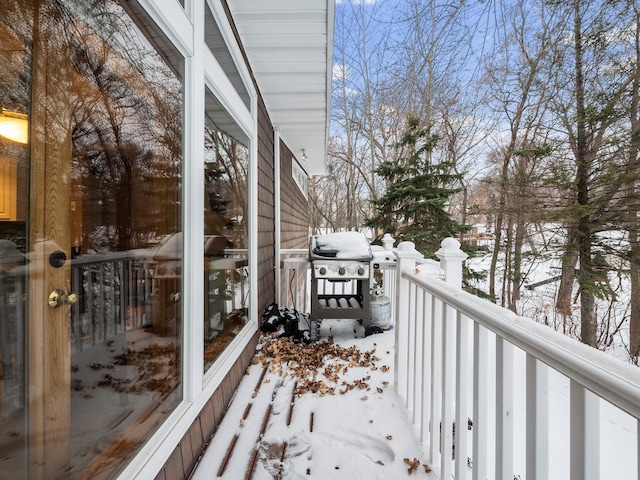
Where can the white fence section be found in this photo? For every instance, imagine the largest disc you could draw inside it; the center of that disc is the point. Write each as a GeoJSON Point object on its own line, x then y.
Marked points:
{"type": "Point", "coordinates": [529, 402]}
{"type": "Point", "coordinates": [462, 361]}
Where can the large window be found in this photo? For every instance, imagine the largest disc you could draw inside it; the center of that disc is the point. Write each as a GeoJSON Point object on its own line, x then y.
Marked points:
{"type": "Point", "coordinates": [91, 257]}
{"type": "Point", "coordinates": [226, 229]}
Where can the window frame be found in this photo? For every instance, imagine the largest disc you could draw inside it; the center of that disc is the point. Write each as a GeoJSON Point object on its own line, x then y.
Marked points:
{"type": "Point", "coordinates": [185, 29]}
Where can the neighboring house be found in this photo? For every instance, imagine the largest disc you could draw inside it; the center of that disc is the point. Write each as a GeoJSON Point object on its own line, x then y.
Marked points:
{"type": "Point", "coordinates": [154, 156]}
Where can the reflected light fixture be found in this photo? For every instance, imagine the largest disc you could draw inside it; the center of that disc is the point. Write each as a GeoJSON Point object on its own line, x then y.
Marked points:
{"type": "Point", "coordinates": [304, 155]}
{"type": "Point", "coordinates": [14, 126]}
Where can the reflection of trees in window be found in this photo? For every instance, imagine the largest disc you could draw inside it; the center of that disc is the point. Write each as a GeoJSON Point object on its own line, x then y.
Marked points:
{"type": "Point", "coordinates": [126, 137]}
{"type": "Point", "coordinates": [226, 187]}
{"type": "Point", "coordinates": [15, 72]}
{"type": "Point", "coordinates": [125, 106]}
{"type": "Point", "coordinates": [16, 24]}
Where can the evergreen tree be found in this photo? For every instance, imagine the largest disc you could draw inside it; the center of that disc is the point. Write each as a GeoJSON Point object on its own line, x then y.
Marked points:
{"type": "Point", "coordinates": [413, 207]}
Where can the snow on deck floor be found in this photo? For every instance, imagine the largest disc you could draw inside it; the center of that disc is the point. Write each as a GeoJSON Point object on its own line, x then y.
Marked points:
{"type": "Point", "coordinates": [364, 433]}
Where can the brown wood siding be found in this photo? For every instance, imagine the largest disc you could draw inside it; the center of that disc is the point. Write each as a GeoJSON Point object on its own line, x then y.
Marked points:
{"type": "Point", "coordinates": [266, 210]}
{"type": "Point", "coordinates": [294, 207]}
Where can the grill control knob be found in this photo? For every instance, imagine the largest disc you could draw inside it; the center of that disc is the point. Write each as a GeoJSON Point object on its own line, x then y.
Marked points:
{"type": "Point", "coordinates": [322, 270]}
{"type": "Point", "coordinates": [361, 271]}
{"type": "Point", "coordinates": [341, 271]}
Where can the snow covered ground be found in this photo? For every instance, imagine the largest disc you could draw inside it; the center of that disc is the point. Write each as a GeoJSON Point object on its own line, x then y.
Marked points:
{"type": "Point", "coordinates": [363, 433]}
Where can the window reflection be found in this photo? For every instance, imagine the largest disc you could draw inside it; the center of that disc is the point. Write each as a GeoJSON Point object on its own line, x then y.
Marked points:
{"type": "Point", "coordinates": [105, 163]}
{"type": "Point", "coordinates": [125, 232]}
{"type": "Point", "coordinates": [226, 227]}
{"type": "Point", "coordinates": [14, 171]}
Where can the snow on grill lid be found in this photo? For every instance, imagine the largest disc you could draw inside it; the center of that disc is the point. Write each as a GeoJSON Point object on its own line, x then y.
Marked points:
{"type": "Point", "coordinates": [341, 245]}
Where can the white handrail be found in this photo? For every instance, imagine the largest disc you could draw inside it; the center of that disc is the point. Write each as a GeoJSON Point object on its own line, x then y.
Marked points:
{"type": "Point", "coordinates": [609, 378]}
{"type": "Point", "coordinates": [445, 376]}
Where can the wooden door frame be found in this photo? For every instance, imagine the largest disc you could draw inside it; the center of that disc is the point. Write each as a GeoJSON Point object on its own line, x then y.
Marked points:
{"type": "Point", "coordinates": [48, 333]}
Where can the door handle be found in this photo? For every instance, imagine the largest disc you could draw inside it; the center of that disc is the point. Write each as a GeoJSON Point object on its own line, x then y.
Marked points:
{"type": "Point", "coordinates": [60, 297]}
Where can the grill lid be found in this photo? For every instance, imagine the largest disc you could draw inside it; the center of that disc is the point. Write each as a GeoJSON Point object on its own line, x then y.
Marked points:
{"type": "Point", "coordinates": [340, 246]}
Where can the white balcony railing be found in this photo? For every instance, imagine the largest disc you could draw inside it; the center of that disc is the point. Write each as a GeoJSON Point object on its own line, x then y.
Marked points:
{"type": "Point", "coordinates": [532, 402]}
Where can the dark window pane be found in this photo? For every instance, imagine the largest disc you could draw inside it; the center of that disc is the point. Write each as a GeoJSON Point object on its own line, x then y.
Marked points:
{"type": "Point", "coordinates": [226, 230]}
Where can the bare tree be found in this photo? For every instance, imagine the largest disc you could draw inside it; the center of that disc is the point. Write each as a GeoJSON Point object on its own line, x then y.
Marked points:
{"type": "Point", "coordinates": [519, 94]}
{"type": "Point", "coordinates": [590, 110]}
{"type": "Point", "coordinates": [633, 189]}
{"type": "Point", "coordinates": [391, 63]}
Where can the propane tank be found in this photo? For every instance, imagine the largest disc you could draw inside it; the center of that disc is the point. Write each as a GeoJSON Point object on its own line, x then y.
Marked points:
{"type": "Point", "coordinates": [380, 308]}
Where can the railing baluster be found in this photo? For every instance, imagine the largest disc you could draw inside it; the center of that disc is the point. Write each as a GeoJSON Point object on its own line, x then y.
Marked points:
{"type": "Point", "coordinates": [537, 413]}
{"type": "Point", "coordinates": [481, 402]}
{"type": "Point", "coordinates": [585, 433]}
{"type": "Point", "coordinates": [389, 285]}
{"type": "Point", "coordinates": [411, 353]}
{"type": "Point", "coordinates": [462, 396]}
{"type": "Point", "coordinates": [124, 270]}
{"type": "Point", "coordinates": [76, 318]}
{"type": "Point", "coordinates": [101, 293]}
{"type": "Point", "coordinates": [115, 286]}
{"type": "Point", "coordinates": [427, 308]}
{"type": "Point", "coordinates": [418, 366]}
{"type": "Point", "coordinates": [287, 289]}
{"type": "Point", "coordinates": [401, 339]}
{"type": "Point", "coordinates": [133, 295]}
{"type": "Point", "coordinates": [436, 381]}
{"type": "Point", "coordinates": [89, 304]}
{"type": "Point", "coordinates": [233, 276]}
{"type": "Point", "coordinates": [449, 384]}
{"type": "Point", "coordinates": [305, 300]}
{"type": "Point", "coordinates": [504, 409]}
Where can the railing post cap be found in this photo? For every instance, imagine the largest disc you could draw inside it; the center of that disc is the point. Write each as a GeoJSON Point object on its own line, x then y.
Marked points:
{"type": "Point", "coordinates": [450, 247]}
{"type": "Point", "coordinates": [388, 241]}
{"type": "Point", "coordinates": [407, 250]}
{"type": "Point", "coordinates": [406, 246]}
{"type": "Point", "coordinates": [450, 243]}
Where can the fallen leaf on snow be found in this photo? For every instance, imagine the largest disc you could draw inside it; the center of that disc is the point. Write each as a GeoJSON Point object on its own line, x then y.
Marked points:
{"type": "Point", "coordinates": [413, 464]}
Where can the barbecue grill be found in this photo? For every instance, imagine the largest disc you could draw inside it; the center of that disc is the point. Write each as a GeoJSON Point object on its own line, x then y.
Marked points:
{"type": "Point", "coordinates": [339, 258]}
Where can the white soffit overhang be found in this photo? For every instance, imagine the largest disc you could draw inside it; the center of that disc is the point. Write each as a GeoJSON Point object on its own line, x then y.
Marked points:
{"type": "Point", "coordinates": [290, 48]}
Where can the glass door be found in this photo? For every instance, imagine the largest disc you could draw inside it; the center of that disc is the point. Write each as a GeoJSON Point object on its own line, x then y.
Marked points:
{"type": "Point", "coordinates": [14, 199]}
{"type": "Point", "coordinates": [90, 272]}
